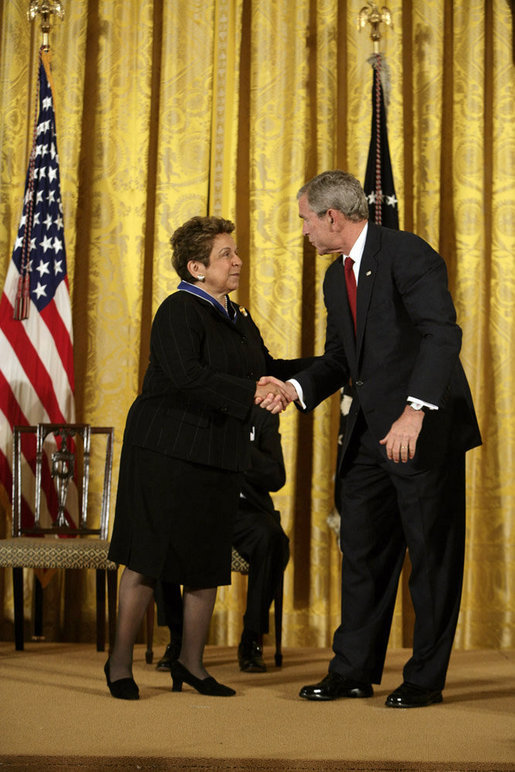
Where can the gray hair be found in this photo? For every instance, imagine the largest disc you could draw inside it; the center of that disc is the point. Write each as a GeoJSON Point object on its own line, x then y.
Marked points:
{"type": "Point", "coordinates": [336, 190]}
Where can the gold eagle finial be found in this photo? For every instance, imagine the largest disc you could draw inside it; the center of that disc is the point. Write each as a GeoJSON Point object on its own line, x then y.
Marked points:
{"type": "Point", "coordinates": [46, 8]}
{"type": "Point", "coordinates": [371, 14]}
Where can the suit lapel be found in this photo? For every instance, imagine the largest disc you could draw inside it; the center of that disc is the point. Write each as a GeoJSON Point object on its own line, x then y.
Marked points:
{"type": "Point", "coordinates": [338, 302]}
{"type": "Point", "coordinates": [367, 276]}
{"type": "Point", "coordinates": [240, 325]}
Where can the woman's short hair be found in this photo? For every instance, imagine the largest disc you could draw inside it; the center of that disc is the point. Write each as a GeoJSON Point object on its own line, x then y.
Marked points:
{"type": "Point", "coordinates": [336, 190]}
{"type": "Point", "coordinates": [194, 241]}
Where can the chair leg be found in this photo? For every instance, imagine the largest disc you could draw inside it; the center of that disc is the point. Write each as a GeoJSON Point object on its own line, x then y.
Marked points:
{"type": "Point", "coordinates": [38, 610]}
{"type": "Point", "coordinates": [112, 592]}
{"type": "Point", "coordinates": [101, 608]}
{"type": "Point", "coordinates": [278, 616]}
{"type": "Point", "coordinates": [149, 654]}
{"type": "Point", "coordinates": [18, 607]}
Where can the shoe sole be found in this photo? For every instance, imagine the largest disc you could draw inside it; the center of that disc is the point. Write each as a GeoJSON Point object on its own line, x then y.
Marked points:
{"type": "Point", "coordinates": [436, 701]}
{"type": "Point", "coordinates": [350, 695]}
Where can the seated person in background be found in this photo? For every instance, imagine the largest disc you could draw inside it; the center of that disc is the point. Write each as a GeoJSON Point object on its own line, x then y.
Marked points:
{"type": "Point", "coordinates": [258, 537]}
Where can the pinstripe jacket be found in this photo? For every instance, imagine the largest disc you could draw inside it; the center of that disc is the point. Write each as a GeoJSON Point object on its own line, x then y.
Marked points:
{"type": "Point", "coordinates": [199, 387]}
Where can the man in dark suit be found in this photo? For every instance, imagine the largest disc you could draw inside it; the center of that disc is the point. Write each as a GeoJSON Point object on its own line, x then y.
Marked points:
{"type": "Point", "coordinates": [391, 328]}
{"type": "Point", "coordinates": [259, 539]}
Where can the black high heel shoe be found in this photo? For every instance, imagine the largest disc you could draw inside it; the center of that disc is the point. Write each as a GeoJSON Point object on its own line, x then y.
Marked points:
{"type": "Point", "coordinates": [124, 688]}
{"type": "Point", "coordinates": [207, 685]}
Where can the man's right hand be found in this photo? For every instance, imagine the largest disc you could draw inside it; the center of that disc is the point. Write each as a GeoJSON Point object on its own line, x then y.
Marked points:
{"type": "Point", "coordinates": [274, 395]}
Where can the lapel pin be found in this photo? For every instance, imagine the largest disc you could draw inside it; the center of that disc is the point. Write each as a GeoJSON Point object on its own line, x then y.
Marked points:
{"type": "Point", "coordinates": [369, 273]}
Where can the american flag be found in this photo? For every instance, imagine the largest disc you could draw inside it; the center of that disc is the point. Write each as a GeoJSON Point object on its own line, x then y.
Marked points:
{"type": "Point", "coordinates": [36, 343]}
{"type": "Point", "coordinates": [378, 186]}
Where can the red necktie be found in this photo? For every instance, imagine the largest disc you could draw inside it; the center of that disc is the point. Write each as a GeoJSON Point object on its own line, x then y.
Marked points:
{"type": "Point", "coordinates": [350, 281]}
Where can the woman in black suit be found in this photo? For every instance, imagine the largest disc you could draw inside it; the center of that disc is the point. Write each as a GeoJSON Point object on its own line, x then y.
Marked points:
{"type": "Point", "coordinates": [185, 447]}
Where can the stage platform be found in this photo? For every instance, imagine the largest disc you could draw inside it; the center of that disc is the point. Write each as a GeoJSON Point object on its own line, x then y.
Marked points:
{"type": "Point", "coordinates": [56, 714]}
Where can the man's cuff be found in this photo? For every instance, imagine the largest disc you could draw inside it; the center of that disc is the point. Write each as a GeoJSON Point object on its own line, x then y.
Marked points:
{"type": "Point", "coordinates": [418, 404]}
{"type": "Point", "coordinates": [298, 389]}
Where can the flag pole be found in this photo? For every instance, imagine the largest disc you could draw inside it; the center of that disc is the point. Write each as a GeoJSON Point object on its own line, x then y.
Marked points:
{"type": "Point", "coordinates": [36, 353]}
{"type": "Point", "coordinates": [47, 9]}
{"type": "Point", "coordinates": [378, 185]}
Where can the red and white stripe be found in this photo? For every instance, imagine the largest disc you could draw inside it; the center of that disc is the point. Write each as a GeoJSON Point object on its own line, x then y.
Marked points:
{"type": "Point", "coordinates": [36, 375]}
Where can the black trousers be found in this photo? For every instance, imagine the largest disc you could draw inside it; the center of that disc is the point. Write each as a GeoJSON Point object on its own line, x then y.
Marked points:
{"type": "Point", "coordinates": [387, 508]}
{"type": "Point", "coordinates": [260, 539]}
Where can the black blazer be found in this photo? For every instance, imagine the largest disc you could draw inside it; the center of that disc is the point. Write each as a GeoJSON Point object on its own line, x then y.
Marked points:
{"type": "Point", "coordinates": [407, 344]}
{"type": "Point", "coordinates": [199, 387]}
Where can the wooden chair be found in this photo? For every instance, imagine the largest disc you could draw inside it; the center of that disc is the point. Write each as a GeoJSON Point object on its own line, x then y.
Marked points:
{"type": "Point", "coordinates": [46, 487]}
{"type": "Point", "coordinates": [241, 566]}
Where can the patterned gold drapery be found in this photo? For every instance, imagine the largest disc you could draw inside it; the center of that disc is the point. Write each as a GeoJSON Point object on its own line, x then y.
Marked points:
{"type": "Point", "coordinates": [169, 109]}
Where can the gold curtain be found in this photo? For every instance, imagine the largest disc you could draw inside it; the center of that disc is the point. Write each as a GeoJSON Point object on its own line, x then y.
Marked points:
{"type": "Point", "coordinates": [169, 109]}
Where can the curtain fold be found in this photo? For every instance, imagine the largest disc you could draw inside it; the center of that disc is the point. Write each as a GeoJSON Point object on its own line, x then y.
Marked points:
{"type": "Point", "coordinates": [166, 110]}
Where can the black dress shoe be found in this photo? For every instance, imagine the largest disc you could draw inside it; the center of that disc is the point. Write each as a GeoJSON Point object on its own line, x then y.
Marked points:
{"type": "Point", "coordinates": [123, 688]}
{"type": "Point", "coordinates": [172, 652]}
{"type": "Point", "coordinates": [250, 657]}
{"type": "Point", "coordinates": [334, 686]}
{"type": "Point", "coordinates": [412, 696]}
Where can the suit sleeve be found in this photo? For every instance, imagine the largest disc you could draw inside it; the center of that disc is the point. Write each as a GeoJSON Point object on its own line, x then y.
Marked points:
{"type": "Point", "coordinates": [421, 279]}
{"type": "Point", "coordinates": [328, 373]}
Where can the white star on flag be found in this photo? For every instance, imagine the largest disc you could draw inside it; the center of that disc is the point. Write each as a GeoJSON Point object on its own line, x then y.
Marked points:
{"type": "Point", "coordinates": [40, 290]}
{"type": "Point", "coordinates": [43, 268]}
{"type": "Point", "coordinates": [46, 243]}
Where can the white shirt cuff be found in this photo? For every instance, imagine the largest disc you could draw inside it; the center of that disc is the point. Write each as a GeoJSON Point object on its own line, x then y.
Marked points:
{"type": "Point", "coordinates": [418, 403]}
{"type": "Point", "coordinates": [298, 389]}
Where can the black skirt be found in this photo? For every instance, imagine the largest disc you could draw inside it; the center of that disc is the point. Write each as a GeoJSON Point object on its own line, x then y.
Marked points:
{"type": "Point", "coordinates": [173, 518]}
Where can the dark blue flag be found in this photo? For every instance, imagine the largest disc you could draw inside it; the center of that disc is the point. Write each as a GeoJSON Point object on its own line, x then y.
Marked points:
{"type": "Point", "coordinates": [379, 187]}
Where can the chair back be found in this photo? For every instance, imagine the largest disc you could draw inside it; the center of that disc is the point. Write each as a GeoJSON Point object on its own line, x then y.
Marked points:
{"type": "Point", "coordinates": [52, 480]}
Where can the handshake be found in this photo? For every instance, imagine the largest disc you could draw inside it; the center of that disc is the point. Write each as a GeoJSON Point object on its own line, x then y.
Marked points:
{"type": "Point", "coordinates": [274, 395]}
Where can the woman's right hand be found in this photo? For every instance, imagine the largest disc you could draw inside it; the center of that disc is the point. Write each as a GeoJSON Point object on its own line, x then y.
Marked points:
{"type": "Point", "coordinates": [273, 393]}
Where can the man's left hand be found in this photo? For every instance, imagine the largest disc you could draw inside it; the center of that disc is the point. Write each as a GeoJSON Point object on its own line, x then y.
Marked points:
{"type": "Point", "coordinates": [401, 440]}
